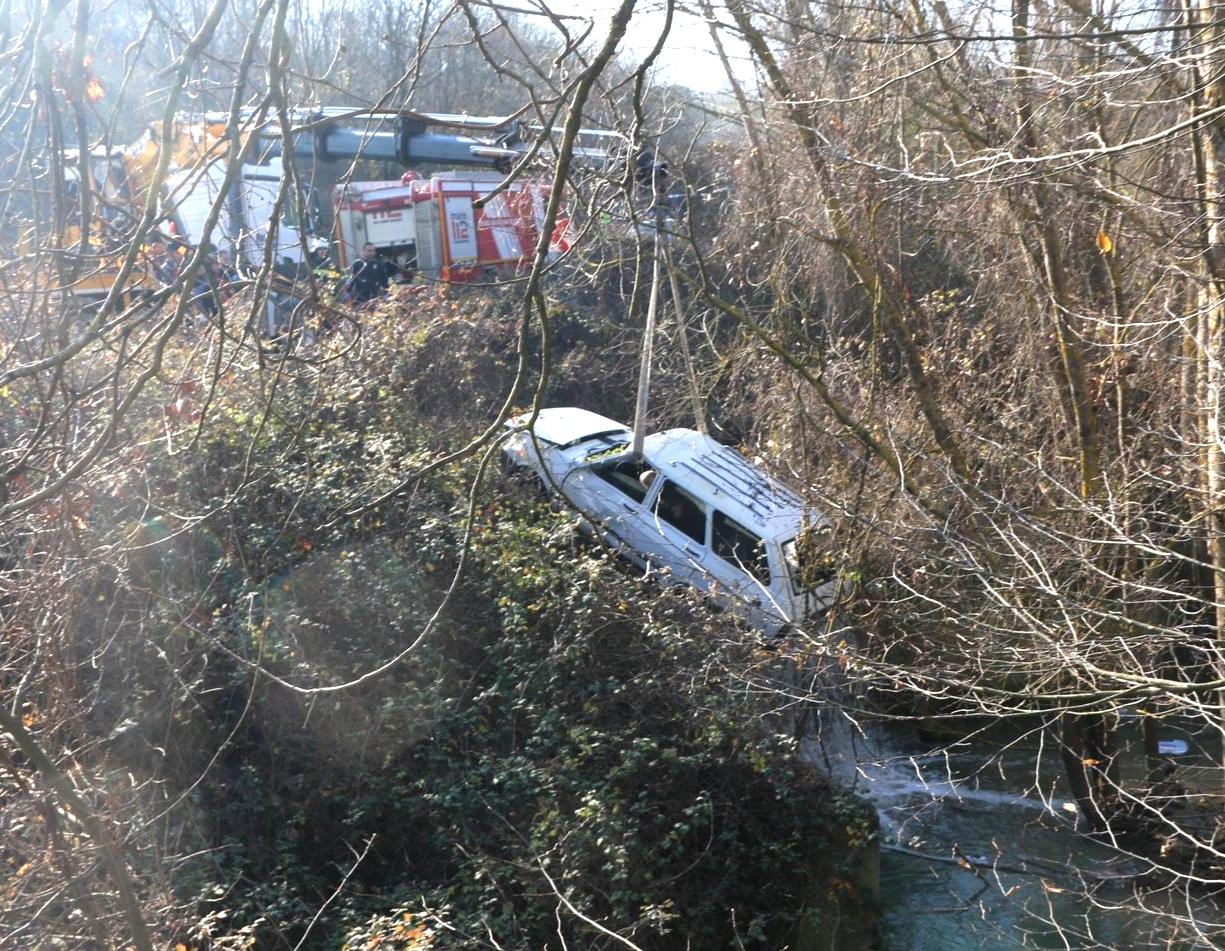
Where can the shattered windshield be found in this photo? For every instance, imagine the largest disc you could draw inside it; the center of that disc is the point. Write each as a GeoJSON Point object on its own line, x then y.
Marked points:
{"type": "Point", "coordinates": [611, 444]}
{"type": "Point", "coordinates": [611, 437]}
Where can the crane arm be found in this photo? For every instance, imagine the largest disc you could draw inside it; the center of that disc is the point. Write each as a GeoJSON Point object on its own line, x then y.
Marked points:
{"type": "Point", "coordinates": [413, 138]}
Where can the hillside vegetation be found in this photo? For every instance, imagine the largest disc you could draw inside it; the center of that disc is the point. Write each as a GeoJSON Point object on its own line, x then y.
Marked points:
{"type": "Point", "coordinates": [304, 725]}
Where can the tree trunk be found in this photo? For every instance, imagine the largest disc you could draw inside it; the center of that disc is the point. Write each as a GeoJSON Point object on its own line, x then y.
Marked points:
{"type": "Point", "coordinates": [1209, 157]}
{"type": "Point", "coordinates": [1072, 749]}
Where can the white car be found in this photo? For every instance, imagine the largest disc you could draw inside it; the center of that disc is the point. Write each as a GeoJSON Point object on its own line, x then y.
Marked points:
{"type": "Point", "coordinates": [690, 508]}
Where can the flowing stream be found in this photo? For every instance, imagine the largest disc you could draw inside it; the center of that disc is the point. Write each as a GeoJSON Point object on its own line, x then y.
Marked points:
{"type": "Point", "coordinates": [999, 802]}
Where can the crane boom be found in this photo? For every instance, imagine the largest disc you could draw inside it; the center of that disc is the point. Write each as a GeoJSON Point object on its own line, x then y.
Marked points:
{"type": "Point", "coordinates": [412, 138]}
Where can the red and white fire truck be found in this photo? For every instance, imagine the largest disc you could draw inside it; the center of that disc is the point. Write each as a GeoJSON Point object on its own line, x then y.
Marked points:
{"type": "Point", "coordinates": [441, 226]}
{"type": "Point", "coordinates": [448, 226]}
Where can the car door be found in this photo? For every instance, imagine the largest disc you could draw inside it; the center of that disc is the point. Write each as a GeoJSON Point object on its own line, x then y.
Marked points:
{"type": "Point", "coordinates": [672, 530]}
{"type": "Point", "coordinates": [611, 492]}
{"type": "Point", "coordinates": [740, 570]}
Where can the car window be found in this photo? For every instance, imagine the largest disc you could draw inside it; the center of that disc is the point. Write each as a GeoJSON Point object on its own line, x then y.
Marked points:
{"type": "Point", "coordinates": [626, 475]}
{"type": "Point", "coordinates": [681, 510]}
{"type": "Point", "coordinates": [735, 544]}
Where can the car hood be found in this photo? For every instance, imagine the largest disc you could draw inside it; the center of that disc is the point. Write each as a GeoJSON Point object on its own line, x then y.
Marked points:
{"type": "Point", "coordinates": [566, 426]}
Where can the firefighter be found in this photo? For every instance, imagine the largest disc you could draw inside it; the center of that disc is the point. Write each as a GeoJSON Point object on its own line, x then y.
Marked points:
{"type": "Point", "coordinates": [369, 277]}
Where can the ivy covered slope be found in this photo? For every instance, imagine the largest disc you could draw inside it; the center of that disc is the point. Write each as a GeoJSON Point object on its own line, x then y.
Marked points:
{"type": "Point", "coordinates": [567, 752]}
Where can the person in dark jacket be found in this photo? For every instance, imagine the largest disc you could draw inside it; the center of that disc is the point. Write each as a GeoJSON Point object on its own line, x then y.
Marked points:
{"type": "Point", "coordinates": [369, 277]}
{"type": "Point", "coordinates": [214, 284]}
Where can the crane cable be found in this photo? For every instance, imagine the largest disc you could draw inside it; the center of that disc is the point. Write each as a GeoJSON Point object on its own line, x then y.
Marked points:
{"type": "Point", "coordinates": [663, 256]}
{"type": "Point", "coordinates": [648, 349]}
{"type": "Point", "coordinates": [682, 331]}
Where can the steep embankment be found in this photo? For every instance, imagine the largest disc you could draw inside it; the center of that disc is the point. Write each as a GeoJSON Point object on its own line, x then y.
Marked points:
{"type": "Point", "coordinates": [566, 750]}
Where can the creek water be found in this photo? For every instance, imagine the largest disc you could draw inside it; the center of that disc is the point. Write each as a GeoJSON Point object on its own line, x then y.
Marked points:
{"type": "Point", "coordinates": [999, 798]}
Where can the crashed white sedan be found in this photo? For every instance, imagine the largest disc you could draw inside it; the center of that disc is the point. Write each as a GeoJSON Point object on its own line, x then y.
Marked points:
{"type": "Point", "coordinates": [691, 509]}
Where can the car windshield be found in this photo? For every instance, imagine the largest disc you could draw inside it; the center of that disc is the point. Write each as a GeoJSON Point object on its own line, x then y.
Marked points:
{"type": "Point", "coordinates": [611, 437]}
{"type": "Point", "coordinates": [810, 559]}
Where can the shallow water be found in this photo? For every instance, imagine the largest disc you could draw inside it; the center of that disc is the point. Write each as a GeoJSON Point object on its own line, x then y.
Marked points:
{"type": "Point", "coordinates": [1005, 803]}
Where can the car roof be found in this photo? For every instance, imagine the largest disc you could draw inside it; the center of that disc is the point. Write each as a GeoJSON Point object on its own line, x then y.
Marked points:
{"type": "Point", "coordinates": [723, 477]}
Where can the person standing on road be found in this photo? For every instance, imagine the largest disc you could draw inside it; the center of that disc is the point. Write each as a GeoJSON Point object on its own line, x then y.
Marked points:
{"type": "Point", "coordinates": [369, 277]}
